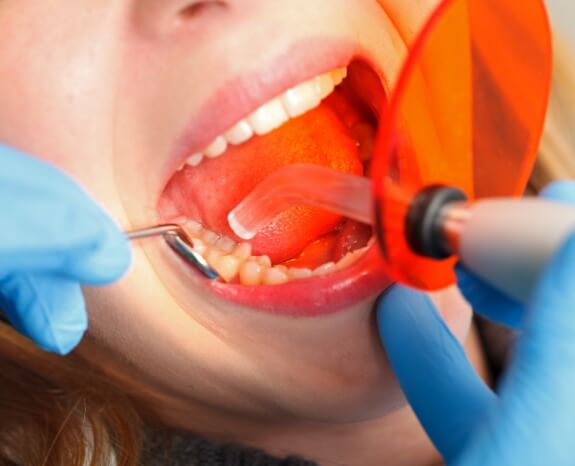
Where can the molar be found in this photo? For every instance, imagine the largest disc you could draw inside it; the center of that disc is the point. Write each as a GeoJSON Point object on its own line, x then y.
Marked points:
{"type": "Point", "coordinates": [227, 267]}
{"type": "Point", "coordinates": [251, 273]}
{"type": "Point", "coordinates": [274, 276]}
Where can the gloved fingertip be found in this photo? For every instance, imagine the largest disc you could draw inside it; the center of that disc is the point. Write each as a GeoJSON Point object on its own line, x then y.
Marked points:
{"type": "Point", "coordinates": [403, 308]}
{"type": "Point", "coordinates": [48, 309]}
{"type": "Point", "coordinates": [561, 191]}
{"type": "Point", "coordinates": [404, 298]}
{"type": "Point", "coordinates": [61, 332]}
{"type": "Point", "coordinates": [64, 340]}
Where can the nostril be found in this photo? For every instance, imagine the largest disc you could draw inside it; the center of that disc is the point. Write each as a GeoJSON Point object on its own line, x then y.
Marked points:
{"type": "Point", "coordinates": [198, 8]}
{"type": "Point", "coordinates": [166, 17]}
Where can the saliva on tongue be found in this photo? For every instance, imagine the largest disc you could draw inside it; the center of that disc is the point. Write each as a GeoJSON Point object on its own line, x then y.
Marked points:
{"type": "Point", "coordinates": [300, 236]}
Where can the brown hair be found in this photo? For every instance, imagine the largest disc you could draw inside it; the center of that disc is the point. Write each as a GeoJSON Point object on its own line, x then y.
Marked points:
{"type": "Point", "coordinates": [58, 411]}
{"type": "Point", "coordinates": [557, 150]}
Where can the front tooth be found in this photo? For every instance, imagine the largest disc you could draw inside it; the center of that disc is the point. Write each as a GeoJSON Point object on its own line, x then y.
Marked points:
{"type": "Point", "coordinates": [324, 85]}
{"type": "Point", "coordinates": [227, 267]}
{"type": "Point", "coordinates": [217, 147]}
{"type": "Point", "coordinates": [240, 132]}
{"type": "Point", "coordinates": [195, 159]}
{"type": "Point", "coordinates": [268, 117]}
{"type": "Point", "coordinates": [274, 276]}
{"type": "Point", "coordinates": [300, 99]}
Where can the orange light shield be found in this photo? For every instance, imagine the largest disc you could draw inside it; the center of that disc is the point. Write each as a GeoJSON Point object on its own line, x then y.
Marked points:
{"type": "Point", "coordinates": [467, 111]}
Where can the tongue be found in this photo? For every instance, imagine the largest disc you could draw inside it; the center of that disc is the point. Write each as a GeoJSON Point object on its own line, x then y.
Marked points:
{"type": "Point", "coordinates": [210, 191]}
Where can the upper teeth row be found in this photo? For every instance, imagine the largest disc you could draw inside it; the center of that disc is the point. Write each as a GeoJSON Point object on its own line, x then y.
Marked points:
{"type": "Point", "coordinates": [271, 115]}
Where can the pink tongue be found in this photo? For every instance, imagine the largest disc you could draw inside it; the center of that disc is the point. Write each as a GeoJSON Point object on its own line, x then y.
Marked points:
{"type": "Point", "coordinates": [210, 191]}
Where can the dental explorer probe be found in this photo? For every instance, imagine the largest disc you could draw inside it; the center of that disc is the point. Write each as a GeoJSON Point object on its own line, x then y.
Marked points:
{"type": "Point", "coordinates": [180, 242]}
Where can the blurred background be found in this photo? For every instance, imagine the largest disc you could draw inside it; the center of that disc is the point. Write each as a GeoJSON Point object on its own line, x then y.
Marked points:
{"type": "Point", "coordinates": [557, 151]}
{"type": "Point", "coordinates": [563, 17]}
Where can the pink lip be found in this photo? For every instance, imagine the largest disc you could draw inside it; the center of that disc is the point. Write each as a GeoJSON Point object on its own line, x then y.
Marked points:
{"type": "Point", "coordinates": [301, 298]}
{"type": "Point", "coordinates": [242, 95]}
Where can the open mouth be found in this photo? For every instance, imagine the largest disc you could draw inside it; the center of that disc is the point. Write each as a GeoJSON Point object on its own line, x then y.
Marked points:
{"type": "Point", "coordinates": [330, 120]}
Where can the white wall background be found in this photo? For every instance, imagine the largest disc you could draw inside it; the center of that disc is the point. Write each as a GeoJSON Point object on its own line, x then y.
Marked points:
{"type": "Point", "coordinates": [562, 14]}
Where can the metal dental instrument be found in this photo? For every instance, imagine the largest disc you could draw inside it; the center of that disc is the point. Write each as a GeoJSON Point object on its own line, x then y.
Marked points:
{"type": "Point", "coordinates": [180, 242]}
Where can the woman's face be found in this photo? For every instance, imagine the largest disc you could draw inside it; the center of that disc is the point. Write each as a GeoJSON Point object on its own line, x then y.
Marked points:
{"type": "Point", "coordinates": [120, 93]}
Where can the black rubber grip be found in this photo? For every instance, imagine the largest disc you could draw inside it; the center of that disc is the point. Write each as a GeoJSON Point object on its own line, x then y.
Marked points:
{"type": "Point", "coordinates": [423, 226]}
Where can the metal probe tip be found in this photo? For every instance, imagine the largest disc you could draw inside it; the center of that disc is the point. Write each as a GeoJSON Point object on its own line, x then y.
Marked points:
{"type": "Point", "coordinates": [175, 236]}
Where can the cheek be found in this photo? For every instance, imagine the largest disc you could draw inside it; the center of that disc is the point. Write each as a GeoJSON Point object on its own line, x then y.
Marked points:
{"type": "Point", "coordinates": [455, 310]}
{"type": "Point", "coordinates": [329, 369]}
{"type": "Point", "coordinates": [57, 87]}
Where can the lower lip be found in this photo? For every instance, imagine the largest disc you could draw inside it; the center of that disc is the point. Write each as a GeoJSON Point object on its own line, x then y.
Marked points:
{"type": "Point", "coordinates": [313, 296]}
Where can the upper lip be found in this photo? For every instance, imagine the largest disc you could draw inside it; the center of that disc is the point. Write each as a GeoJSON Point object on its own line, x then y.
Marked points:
{"type": "Point", "coordinates": [243, 94]}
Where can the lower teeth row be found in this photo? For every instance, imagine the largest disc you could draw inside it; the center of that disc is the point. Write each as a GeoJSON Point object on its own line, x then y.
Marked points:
{"type": "Point", "coordinates": [235, 262]}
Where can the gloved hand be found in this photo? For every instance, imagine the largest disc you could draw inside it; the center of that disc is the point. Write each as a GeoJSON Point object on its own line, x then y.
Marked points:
{"type": "Point", "coordinates": [531, 421]}
{"type": "Point", "coordinates": [53, 238]}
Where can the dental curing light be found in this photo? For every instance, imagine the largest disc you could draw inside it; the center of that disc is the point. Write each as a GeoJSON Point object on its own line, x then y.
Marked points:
{"type": "Point", "coordinates": [506, 242]}
{"type": "Point", "coordinates": [466, 112]}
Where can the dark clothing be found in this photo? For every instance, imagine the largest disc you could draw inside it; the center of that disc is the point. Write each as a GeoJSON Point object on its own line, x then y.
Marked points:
{"type": "Point", "coordinates": [165, 448]}
{"type": "Point", "coordinates": [497, 344]}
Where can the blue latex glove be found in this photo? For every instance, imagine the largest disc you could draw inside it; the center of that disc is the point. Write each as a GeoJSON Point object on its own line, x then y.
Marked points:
{"type": "Point", "coordinates": [53, 238]}
{"type": "Point", "coordinates": [531, 421]}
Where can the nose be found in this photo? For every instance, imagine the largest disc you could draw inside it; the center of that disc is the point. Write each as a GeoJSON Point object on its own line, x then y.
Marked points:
{"type": "Point", "coordinates": [165, 17]}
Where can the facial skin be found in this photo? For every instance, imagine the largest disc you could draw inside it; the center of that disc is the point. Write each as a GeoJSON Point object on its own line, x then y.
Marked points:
{"type": "Point", "coordinates": [103, 89]}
